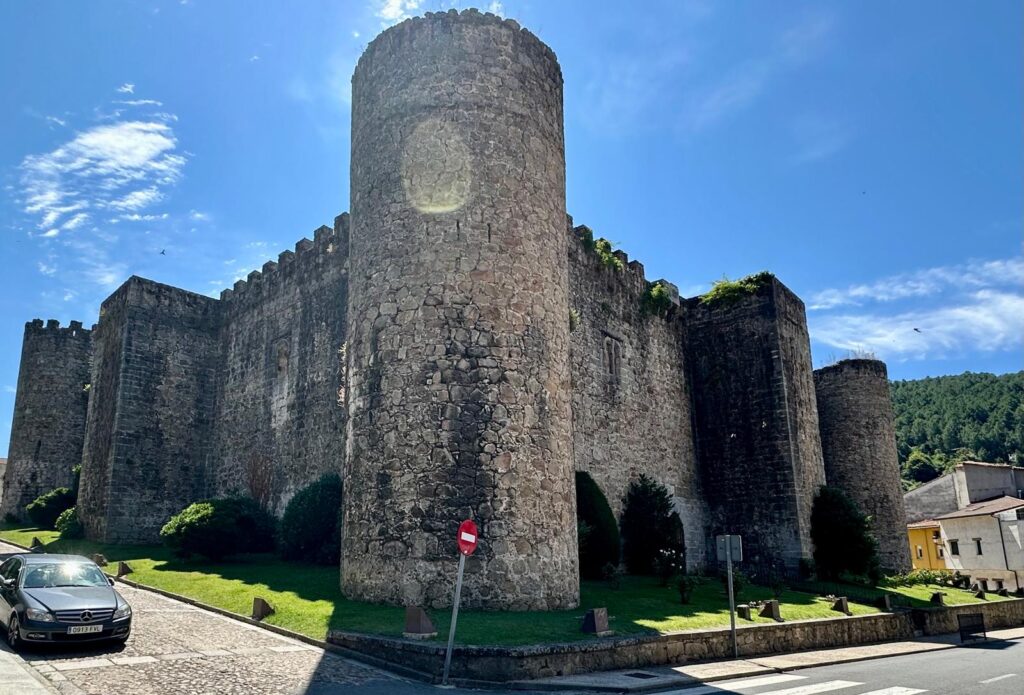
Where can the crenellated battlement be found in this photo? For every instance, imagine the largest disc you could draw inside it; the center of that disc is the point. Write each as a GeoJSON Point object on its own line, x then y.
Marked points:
{"type": "Point", "coordinates": [74, 329]}
{"type": "Point", "coordinates": [630, 279]}
{"type": "Point", "coordinates": [329, 246]}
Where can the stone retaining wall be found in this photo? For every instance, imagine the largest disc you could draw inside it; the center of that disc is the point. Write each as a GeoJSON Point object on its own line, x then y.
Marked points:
{"type": "Point", "coordinates": [502, 664]}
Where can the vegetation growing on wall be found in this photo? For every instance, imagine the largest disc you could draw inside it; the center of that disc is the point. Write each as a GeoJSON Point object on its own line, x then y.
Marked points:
{"type": "Point", "coordinates": [601, 247]}
{"type": "Point", "coordinates": [657, 299]}
{"type": "Point", "coordinates": [726, 291]}
{"type": "Point", "coordinates": [44, 510]}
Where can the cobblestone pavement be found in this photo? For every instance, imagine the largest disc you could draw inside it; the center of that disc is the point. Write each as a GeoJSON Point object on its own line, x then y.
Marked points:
{"type": "Point", "coordinates": [178, 649]}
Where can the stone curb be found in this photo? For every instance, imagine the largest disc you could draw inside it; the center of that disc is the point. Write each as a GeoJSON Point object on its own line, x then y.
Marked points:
{"type": "Point", "coordinates": [414, 674]}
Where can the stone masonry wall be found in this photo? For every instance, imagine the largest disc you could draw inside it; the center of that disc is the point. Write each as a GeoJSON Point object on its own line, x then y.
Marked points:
{"type": "Point", "coordinates": [756, 421]}
{"type": "Point", "coordinates": [279, 420]}
{"type": "Point", "coordinates": [49, 413]}
{"type": "Point", "coordinates": [630, 400]}
{"type": "Point", "coordinates": [148, 439]}
{"type": "Point", "coordinates": [459, 337]}
{"type": "Point", "coordinates": [858, 441]}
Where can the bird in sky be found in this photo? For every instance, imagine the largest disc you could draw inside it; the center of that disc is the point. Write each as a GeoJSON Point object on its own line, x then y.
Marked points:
{"type": "Point", "coordinates": [163, 252]}
{"type": "Point", "coordinates": [918, 330]}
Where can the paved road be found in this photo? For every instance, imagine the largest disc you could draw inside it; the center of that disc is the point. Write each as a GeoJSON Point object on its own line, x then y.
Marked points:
{"type": "Point", "coordinates": [178, 649]}
{"type": "Point", "coordinates": [990, 669]}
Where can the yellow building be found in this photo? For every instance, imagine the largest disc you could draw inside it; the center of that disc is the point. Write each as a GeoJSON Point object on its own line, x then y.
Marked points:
{"type": "Point", "coordinates": [926, 550]}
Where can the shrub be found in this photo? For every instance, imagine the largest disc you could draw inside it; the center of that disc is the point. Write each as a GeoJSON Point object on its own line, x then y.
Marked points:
{"type": "Point", "coordinates": [307, 531]}
{"type": "Point", "coordinates": [668, 564]}
{"type": "Point", "coordinates": [685, 585]}
{"type": "Point", "coordinates": [603, 249]}
{"type": "Point", "coordinates": [612, 574]}
{"type": "Point", "coordinates": [69, 525]}
{"type": "Point", "coordinates": [842, 540]}
{"type": "Point", "coordinates": [601, 544]}
{"type": "Point", "coordinates": [220, 527]}
{"type": "Point", "coordinates": [44, 510]}
{"type": "Point", "coordinates": [918, 577]}
{"type": "Point", "coordinates": [648, 525]}
{"type": "Point", "coordinates": [656, 299]}
{"type": "Point", "coordinates": [726, 291]}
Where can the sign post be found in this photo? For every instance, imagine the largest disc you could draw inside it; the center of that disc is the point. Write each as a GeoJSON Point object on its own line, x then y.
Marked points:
{"type": "Point", "coordinates": [467, 539]}
{"type": "Point", "coordinates": [731, 548]}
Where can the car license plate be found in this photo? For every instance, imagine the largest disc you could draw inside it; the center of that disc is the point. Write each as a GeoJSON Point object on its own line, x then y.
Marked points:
{"type": "Point", "coordinates": [84, 629]}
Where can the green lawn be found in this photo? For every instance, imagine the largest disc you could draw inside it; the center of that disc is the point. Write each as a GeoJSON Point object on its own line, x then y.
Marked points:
{"type": "Point", "coordinates": [307, 600]}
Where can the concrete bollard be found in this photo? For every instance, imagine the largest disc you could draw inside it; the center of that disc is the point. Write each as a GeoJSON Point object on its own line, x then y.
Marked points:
{"type": "Point", "coordinates": [123, 568]}
{"type": "Point", "coordinates": [418, 624]}
{"type": "Point", "coordinates": [771, 610]}
{"type": "Point", "coordinates": [596, 622]}
{"type": "Point", "coordinates": [842, 605]}
{"type": "Point", "coordinates": [261, 609]}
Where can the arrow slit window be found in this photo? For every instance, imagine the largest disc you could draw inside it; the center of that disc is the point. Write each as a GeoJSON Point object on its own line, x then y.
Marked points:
{"type": "Point", "coordinates": [612, 359]}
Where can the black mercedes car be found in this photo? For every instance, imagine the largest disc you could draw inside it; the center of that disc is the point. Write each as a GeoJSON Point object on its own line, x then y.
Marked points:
{"type": "Point", "coordinates": [59, 599]}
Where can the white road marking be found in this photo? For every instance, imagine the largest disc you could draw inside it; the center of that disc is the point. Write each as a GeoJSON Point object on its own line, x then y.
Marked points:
{"type": "Point", "coordinates": [998, 678]}
{"type": "Point", "coordinates": [896, 691]}
{"type": "Point", "coordinates": [825, 687]}
{"type": "Point", "coordinates": [757, 681]}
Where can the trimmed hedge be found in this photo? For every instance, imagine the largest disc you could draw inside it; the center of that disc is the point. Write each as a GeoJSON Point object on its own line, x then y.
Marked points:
{"type": "Point", "coordinates": [307, 531]}
{"type": "Point", "coordinates": [649, 525]}
{"type": "Point", "coordinates": [220, 527]}
{"type": "Point", "coordinates": [69, 525]}
{"type": "Point", "coordinates": [599, 544]}
{"type": "Point", "coordinates": [44, 510]}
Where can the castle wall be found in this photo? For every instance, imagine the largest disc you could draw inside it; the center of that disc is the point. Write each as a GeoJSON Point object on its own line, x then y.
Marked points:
{"type": "Point", "coordinates": [49, 413]}
{"type": "Point", "coordinates": [279, 420]}
{"type": "Point", "coordinates": [858, 441]}
{"type": "Point", "coordinates": [147, 453]}
{"type": "Point", "coordinates": [630, 399]}
{"type": "Point", "coordinates": [458, 355]}
{"type": "Point", "coordinates": [755, 415]}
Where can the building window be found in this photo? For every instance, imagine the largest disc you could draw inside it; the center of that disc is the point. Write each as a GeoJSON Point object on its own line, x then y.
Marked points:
{"type": "Point", "coordinates": [977, 546]}
{"type": "Point", "coordinates": [920, 552]}
{"type": "Point", "coordinates": [1020, 514]}
{"type": "Point", "coordinates": [613, 359]}
{"type": "Point", "coordinates": [954, 547]}
{"type": "Point", "coordinates": [942, 552]}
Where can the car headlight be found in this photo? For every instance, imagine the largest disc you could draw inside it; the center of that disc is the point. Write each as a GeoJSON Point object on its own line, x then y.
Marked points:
{"type": "Point", "coordinates": [39, 616]}
{"type": "Point", "coordinates": [123, 612]}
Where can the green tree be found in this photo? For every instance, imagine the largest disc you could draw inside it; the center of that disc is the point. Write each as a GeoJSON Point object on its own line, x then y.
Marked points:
{"type": "Point", "coordinates": [842, 540]}
{"type": "Point", "coordinates": [648, 525]}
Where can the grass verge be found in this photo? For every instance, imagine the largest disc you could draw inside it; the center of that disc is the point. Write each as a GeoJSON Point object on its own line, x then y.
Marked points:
{"type": "Point", "coordinates": [307, 600]}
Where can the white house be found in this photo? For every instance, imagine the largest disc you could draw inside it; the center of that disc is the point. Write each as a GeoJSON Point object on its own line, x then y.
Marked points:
{"type": "Point", "coordinates": [985, 540]}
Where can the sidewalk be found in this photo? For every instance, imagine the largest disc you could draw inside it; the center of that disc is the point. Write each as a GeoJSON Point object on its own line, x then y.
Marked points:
{"type": "Point", "coordinates": [17, 678]}
{"type": "Point", "coordinates": [640, 680]}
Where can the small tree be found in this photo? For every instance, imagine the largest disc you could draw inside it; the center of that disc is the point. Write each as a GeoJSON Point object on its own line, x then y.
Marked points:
{"type": "Point", "coordinates": [842, 540]}
{"type": "Point", "coordinates": [218, 528]}
{"type": "Point", "coordinates": [311, 525]}
{"type": "Point", "coordinates": [649, 525]}
{"type": "Point", "coordinates": [595, 522]}
{"type": "Point", "coordinates": [69, 525]}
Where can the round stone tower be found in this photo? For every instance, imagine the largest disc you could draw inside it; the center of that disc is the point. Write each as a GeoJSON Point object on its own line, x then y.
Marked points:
{"type": "Point", "coordinates": [458, 345]}
{"type": "Point", "coordinates": [858, 441]}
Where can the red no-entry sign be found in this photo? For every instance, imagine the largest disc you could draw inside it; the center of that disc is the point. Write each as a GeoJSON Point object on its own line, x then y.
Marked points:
{"type": "Point", "coordinates": [467, 537]}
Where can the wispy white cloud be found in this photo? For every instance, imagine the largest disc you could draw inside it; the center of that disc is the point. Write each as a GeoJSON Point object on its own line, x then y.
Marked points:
{"type": "Point", "coordinates": [197, 216]}
{"type": "Point", "coordinates": [924, 283]}
{"type": "Point", "coordinates": [743, 85]}
{"type": "Point", "coordinates": [127, 88]}
{"type": "Point", "coordinates": [56, 121]}
{"type": "Point", "coordinates": [393, 11]}
{"type": "Point", "coordinates": [932, 313]}
{"type": "Point", "coordinates": [818, 138]}
{"type": "Point", "coordinates": [141, 102]}
{"type": "Point", "coordinates": [123, 166]}
{"type": "Point", "coordinates": [496, 8]}
{"type": "Point", "coordinates": [986, 321]}
{"type": "Point", "coordinates": [47, 269]}
{"type": "Point", "coordinates": [253, 58]}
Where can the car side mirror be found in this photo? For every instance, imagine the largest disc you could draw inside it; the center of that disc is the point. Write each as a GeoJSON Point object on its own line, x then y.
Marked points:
{"type": "Point", "coordinates": [110, 580]}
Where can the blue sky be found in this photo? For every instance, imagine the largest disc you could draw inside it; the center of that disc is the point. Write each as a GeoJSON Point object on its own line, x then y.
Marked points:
{"type": "Point", "coordinates": [868, 153]}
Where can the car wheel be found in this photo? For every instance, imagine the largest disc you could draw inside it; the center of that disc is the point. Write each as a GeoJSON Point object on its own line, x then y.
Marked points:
{"type": "Point", "coordinates": [13, 635]}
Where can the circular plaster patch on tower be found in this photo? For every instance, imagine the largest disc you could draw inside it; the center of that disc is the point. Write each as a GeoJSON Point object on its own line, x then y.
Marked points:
{"type": "Point", "coordinates": [436, 167]}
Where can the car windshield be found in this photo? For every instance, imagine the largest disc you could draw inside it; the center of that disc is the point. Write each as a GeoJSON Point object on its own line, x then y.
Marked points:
{"type": "Point", "coordinates": [42, 576]}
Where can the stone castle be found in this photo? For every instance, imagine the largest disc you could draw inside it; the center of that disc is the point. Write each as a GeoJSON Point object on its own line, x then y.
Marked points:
{"type": "Point", "coordinates": [456, 348]}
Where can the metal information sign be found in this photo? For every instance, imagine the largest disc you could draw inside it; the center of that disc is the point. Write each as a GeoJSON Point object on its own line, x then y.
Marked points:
{"type": "Point", "coordinates": [466, 538]}
{"type": "Point", "coordinates": [730, 548]}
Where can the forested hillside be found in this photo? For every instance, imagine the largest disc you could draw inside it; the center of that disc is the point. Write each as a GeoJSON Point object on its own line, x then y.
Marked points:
{"type": "Point", "coordinates": [943, 420]}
